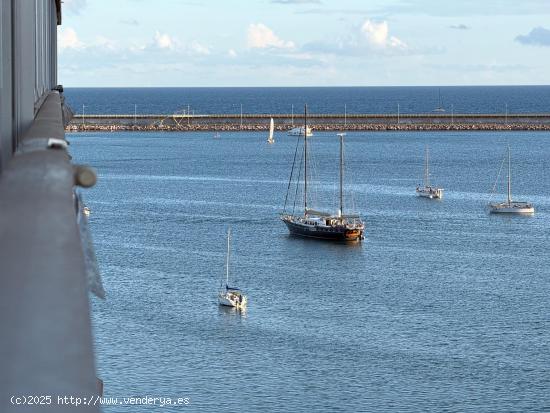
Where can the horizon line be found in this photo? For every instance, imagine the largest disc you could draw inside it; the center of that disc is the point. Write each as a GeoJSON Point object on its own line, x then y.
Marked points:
{"type": "Point", "coordinates": [302, 87]}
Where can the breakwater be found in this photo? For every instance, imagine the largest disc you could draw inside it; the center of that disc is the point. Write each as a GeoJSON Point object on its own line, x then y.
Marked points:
{"type": "Point", "coordinates": [319, 122]}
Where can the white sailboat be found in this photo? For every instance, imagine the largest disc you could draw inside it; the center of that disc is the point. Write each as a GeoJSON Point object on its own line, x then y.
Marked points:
{"type": "Point", "coordinates": [440, 107]}
{"type": "Point", "coordinates": [428, 191]}
{"type": "Point", "coordinates": [230, 296]}
{"type": "Point", "coordinates": [271, 131]}
{"type": "Point", "coordinates": [510, 206]}
{"type": "Point", "coordinates": [299, 131]}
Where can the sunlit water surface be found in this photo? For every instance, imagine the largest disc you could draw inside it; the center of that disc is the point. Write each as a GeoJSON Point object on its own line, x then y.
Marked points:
{"type": "Point", "coordinates": [443, 307]}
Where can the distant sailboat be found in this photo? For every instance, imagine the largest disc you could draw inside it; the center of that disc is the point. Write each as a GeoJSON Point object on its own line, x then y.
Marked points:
{"type": "Point", "coordinates": [217, 135]}
{"type": "Point", "coordinates": [271, 131]}
{"type": "Point", "coordinates": [509, 206]}
{"type": "Point", "coordinates": [230, 296]}
{"type": "Point", "coordinates": [299, 131]}
{"type": "Point", "coordinates": [440, 107]}
{"type": "Point", "coordinates": [316, 224]}
{"type": "Point", "coordinates": [428, 191]}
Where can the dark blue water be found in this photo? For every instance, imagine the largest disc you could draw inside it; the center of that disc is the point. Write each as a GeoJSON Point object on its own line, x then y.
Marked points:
{"type": "Point", "coordinates": [475, 99]}
{"type": "Point", "coordinates": [442, 308]}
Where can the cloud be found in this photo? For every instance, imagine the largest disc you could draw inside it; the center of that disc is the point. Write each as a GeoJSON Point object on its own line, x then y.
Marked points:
{"type": "Point", "coordinates": [130, 22]}
{"type": "Point", "coordinates": [478, 68]}
{"type": "Point", "coordinates": [377, 35]}
{"type": "Point", "coordinates": [172, 47]}
{"type": "Point", "coordinates": [104, 52]}
{"type": "Point", "coordinates": [372, 37]}
{"type": "Point", "coordinates": [262, 37]}
{"type": "Point", "coordinates": [198, 48]}
{"type": "Point", "coordinates": [539, 36]}
{"type": "Point", "coordinates": [163, 41]}
{"type": "Point", "coordinates": [334, 11]}
{"type": "Point", "coordinates": [297, 1]}
{"type": "Point", "coordinates": [74, 6]}
{"type": "Point", "coordinates": [68, 39]}
{"type": "Point", "coordinates": [465, 8]}
{"type": "Point", "coordinates": [459, 27]}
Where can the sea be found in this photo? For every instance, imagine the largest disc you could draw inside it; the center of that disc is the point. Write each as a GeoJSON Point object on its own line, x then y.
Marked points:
{"type": "Point", "coordinates": [442, 308]}
{"type": "Point", "coordinates": [322, 100]}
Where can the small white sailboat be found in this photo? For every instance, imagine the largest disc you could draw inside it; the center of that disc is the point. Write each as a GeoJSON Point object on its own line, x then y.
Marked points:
{"type": "Point", "coordinates": [510, 206]}
{"type": "Point", "coordinates": [217, 135]}
{"type": "Point", "coordinates": [270, 138]}
{"type": "Point", "coordinates": [299, 131]}
{"type": "Point", "coordinates": [440, 108]}
{"type": "Point", "coordinates": [230, 296]}
{"type": "Point", "coordinates": [428, 191]}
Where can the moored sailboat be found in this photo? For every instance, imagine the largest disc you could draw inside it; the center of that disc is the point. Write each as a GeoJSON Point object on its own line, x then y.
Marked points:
{"type": "Point", "coordinates": [230, 296]}
{"type": "Point", "coordinates": [510, 206]}
{"type": "Point", "coordinates": [428, 191]}
{"type": "Point", "coordinates": [440, 107]}
{"type": "Point", "coordinates": [317, 224]}
{"type": "Point", "coordinates": [299, 131]}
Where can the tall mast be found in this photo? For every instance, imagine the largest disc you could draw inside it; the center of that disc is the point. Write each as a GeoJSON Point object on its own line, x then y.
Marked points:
{"type": "Point", "coordinates": [305, 159]}
{"type": "Point", "coordinates": [227, 258]}
{"type": "Point", "coordinates": [509, 177]}
{"type": "Point", "coordinates": [427, 168]}
{"type": "Point", "coordinates": [341, 211]}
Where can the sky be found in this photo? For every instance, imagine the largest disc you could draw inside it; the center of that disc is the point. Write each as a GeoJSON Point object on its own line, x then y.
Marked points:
{"type": "Point", "coordinates": [164, 43]}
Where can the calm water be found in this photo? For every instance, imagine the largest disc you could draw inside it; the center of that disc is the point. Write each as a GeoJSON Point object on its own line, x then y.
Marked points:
{"type": "Point", "coordinates": [442, 308]}
{"type": "Point", "coordinates": [475, 99]}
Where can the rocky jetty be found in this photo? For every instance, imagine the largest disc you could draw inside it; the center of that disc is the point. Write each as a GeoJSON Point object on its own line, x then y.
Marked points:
{"type": "Point", "coordinates": [372, 127]}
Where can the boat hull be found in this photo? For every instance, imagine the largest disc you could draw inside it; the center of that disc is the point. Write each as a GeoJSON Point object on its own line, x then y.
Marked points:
{"type": "Point", "coordinates": [332, 234]}
{"type": "Point", "coordinates": [227, 301]}
{"type": "Point", "coordinates": [511, 209]}
{"type": "Point", "coordinates": [435, 193]}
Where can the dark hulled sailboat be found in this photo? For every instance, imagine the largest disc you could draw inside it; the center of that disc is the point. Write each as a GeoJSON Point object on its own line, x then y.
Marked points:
{"type": "Point", "coordinates": [317, 224]}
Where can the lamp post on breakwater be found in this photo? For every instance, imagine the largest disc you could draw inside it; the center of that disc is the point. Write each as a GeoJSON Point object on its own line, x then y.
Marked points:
{"type": "Point", "coordinates": [398, 113]}
{"type": "Point", "coordinates": [83, 115]}
{"type": "Point", "coordinates": [506, 115]}
{"type": "Point", "coordinates": [345, 115]}
{"type": "Point", "coordinates": [452, 114]}
{"type": "Point", "coordinates": [241, 117]}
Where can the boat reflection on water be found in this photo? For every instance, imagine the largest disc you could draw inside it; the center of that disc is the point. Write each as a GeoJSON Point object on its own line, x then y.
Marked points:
{"type": "Point", "coordinates": [225, 310]}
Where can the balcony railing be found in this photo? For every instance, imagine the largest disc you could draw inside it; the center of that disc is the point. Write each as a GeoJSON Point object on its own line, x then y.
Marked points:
{"type": "Point", "coordinates": [46, 341]}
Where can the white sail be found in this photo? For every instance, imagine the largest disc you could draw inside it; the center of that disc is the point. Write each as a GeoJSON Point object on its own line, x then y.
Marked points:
{"type": "Point", "coordinates": [271, 131]}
